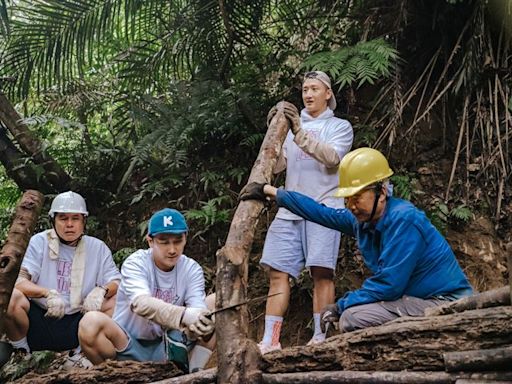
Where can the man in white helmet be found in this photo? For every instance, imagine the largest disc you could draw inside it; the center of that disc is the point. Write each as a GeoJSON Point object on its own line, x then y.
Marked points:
{"type": "Point", "coordinates": [64, 274]}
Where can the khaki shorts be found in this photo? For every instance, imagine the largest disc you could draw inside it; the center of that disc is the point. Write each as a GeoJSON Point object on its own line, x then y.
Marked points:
{"type": "Point", "coordinates": [292, 244]}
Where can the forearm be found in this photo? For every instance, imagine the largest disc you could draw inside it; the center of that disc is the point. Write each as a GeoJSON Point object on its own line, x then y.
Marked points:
{"type": "Point", "coordinates": [162, 313]}
{"type": "Point", "coordinates": [31, 289]}
{"type": "Point", "coordinates": [322, 152]}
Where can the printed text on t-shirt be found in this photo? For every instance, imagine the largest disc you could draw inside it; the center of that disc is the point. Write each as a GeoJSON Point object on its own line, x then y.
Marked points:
{"type": "Point", "coordinates": [63, 276]}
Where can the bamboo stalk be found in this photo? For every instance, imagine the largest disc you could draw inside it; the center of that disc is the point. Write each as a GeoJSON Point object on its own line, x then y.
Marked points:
{"type": "Point", "coordinates": [457, 151]}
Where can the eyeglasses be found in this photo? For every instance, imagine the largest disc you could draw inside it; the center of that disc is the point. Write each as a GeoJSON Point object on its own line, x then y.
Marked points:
{"type": "Point", "coordinates": [355, 198]}
{"type": "Point", "coordinates": [311, 75]}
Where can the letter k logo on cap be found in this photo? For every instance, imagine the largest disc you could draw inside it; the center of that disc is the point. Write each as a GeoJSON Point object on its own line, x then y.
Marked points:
{"type": "Point", "coordinates": [168, 221]}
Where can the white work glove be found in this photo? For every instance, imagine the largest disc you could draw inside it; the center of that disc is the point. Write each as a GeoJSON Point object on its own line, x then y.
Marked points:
{"type": "Point", "coordinates": [55, 304]}
{"type": "Point", "coordinates": [198, 321]}
{"type": "Point", "coordinates": [94, 300]}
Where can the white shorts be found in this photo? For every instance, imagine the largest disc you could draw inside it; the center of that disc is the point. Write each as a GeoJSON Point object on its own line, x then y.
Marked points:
{"type": "Point", "coordinates": [292, 244]}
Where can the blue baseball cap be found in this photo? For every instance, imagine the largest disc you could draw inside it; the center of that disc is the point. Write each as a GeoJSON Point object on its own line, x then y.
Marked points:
{"type": "Point", "coordinates": [167, 220]}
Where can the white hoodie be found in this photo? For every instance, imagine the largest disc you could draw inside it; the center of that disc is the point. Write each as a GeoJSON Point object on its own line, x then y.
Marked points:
{"type": "Point", "coordinates": [306, 175]}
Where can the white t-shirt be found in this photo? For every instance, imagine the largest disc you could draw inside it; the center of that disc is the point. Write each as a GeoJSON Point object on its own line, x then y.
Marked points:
{"type": "Point", "coordinates": [100, 268]}
{"type": "Point", "coordinates": [308, 176]}
{"type": "Point", "coordinates": [183, 285]}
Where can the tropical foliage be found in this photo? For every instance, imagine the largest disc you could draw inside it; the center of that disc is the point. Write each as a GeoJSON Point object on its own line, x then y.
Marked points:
{"type": "Point", "coordinates": [151, 103]}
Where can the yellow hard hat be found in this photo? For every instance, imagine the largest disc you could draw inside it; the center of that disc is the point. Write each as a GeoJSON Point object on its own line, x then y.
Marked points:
{"type": "Point", "coordinates": [361, 168]}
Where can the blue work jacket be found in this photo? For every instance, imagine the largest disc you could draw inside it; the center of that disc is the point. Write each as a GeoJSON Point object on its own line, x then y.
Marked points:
{"type": "Point", "coordinates": [405, 252]}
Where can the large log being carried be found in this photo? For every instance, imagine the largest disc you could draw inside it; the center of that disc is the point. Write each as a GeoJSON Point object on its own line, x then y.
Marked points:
{"type": "Point", "coordinates": [11, 255]}
{"type": "Point", "coordinates": [239, 356]}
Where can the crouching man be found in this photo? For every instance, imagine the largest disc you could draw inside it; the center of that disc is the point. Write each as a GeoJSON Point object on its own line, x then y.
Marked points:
{"type": "Point", "coordinates": [161, 311]}
{"type": "Point", "coordinates": [64, 273]}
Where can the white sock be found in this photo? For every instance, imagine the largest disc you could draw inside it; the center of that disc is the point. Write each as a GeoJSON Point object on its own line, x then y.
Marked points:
{"type": "Point", "coordinates": [21, 344]}
{"type": "Point", "coordinates": [272, 330]}
{"type": "Point", "coordinates": [318, 335]}
{"type": "Point", "coordinates": [199, 357]}
{"type": "Point", "coordinates": [76, 351]}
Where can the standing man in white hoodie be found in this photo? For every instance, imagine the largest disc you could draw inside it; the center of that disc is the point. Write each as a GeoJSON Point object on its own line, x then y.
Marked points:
{"type": "Point", "coordinates": [312, 152]}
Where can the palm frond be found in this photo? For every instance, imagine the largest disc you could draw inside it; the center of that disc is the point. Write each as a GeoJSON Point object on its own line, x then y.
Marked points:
{"type": "Point", "coordinates": [363, 63]}
{"type": "Point", "coordinates": [51, 41]}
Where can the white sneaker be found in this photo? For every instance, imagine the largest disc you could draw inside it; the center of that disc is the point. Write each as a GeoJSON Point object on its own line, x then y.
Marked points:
{"type": "Point", "coordinates": [76, 361]}
{"type": "Point", "coordinates": [315, 341]}
{"type": "Point", "coordinates": [266, 348]}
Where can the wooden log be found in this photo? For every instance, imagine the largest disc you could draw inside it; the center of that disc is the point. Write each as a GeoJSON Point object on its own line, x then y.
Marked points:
{"type": "Point", "coordinates": [32, 146]}
{"type": "Point", "coordinates": [238, 357]}
{"type": "Point", "coordinates": [25, 219]}
{"type": "Point", "coordinates": [481, 381]}
{"type": "Point", "coordinates": [111, 372]}
{"type": "Point", "coordinates": [380, 377]}
{"type": "Point", "coordinates": [479, 360]}
{"type": "Point", "coordinates": [203, 377]}
{"type": "Point", "coordinates": [492, 298]}
{"type": "Point", "coordinates": [407, 343]}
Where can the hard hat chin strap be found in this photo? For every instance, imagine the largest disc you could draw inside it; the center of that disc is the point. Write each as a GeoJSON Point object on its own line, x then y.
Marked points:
{"type": "Point", "coordinates": [378, 189]}
{"type": "Point", "coordinates": [72, 243]}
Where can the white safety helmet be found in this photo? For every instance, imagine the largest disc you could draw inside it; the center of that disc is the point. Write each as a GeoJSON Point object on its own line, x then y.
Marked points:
{"type": "Point", "coordinates": [68, 202]}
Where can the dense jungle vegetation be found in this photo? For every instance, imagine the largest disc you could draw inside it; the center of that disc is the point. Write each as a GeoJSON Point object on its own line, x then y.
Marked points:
{"type": "Point", "coordinates": [143, 104]}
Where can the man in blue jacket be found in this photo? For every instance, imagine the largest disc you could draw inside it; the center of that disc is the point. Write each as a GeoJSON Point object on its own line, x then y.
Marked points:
{"type": "Point", "coordinates": [412, 264]}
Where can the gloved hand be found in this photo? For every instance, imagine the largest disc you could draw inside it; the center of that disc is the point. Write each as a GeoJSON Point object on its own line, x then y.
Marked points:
{"type": "Point", "coordinates": [191, 315]}
{"type": "Point", "coordinates": [198, 322]}
{"type": "Point", "coordinates": [94, 300]}
{"type": "Point", "coordinates": [56, 305]}
{"type": "Point", "coordinates": [292, 114]}
{"type": "Point", "coordinates": [330, 314]}
{"type": "Point", "coordinates": [204, 325]}
{"type": "Point", "coordinates": [253, 191]}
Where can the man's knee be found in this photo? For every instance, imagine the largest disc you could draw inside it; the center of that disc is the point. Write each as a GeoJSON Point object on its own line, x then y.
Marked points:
{"type": "Point", "coordinates": [277, 277]}
{"type": "Point", "coordinates": [90, 325]}
{"type": "Point", "coordinates": [349, 320]}
{"type": "Point", "coordinates": [18, 302]}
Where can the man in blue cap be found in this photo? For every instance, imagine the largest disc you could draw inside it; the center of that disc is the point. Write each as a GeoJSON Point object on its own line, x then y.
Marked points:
{"type": "Point", "coordinates": [161, 311]}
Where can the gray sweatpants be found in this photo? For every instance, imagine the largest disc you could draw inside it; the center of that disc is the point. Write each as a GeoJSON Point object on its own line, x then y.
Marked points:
{"type": "Point", "coordinates": [373, 314]}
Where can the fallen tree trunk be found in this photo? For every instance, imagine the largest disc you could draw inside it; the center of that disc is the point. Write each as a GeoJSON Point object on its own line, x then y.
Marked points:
{"type": "Point", "coordinates": [203, 377]}
{"type": "Point", "coordinates": [359, 377]}
{"type": "Point", "coordinates": [333, 377]}
{"type": "Point", "coordinates": [479, 360]}
{"type": "Point", "coordinates": [492, 298]}
{"type": "Point", "coordinates": [111, 372]}
{"type": "Point", "coordinates": [407, 343]}
{"type": "Point", "coordinates": [23, 173]}
{"type": "Point", "coordinates": [238, 357]}
{"type": "Point", "coordinates": [32, 146]}
{"type": "Point", "coordinates": [25, 219]}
